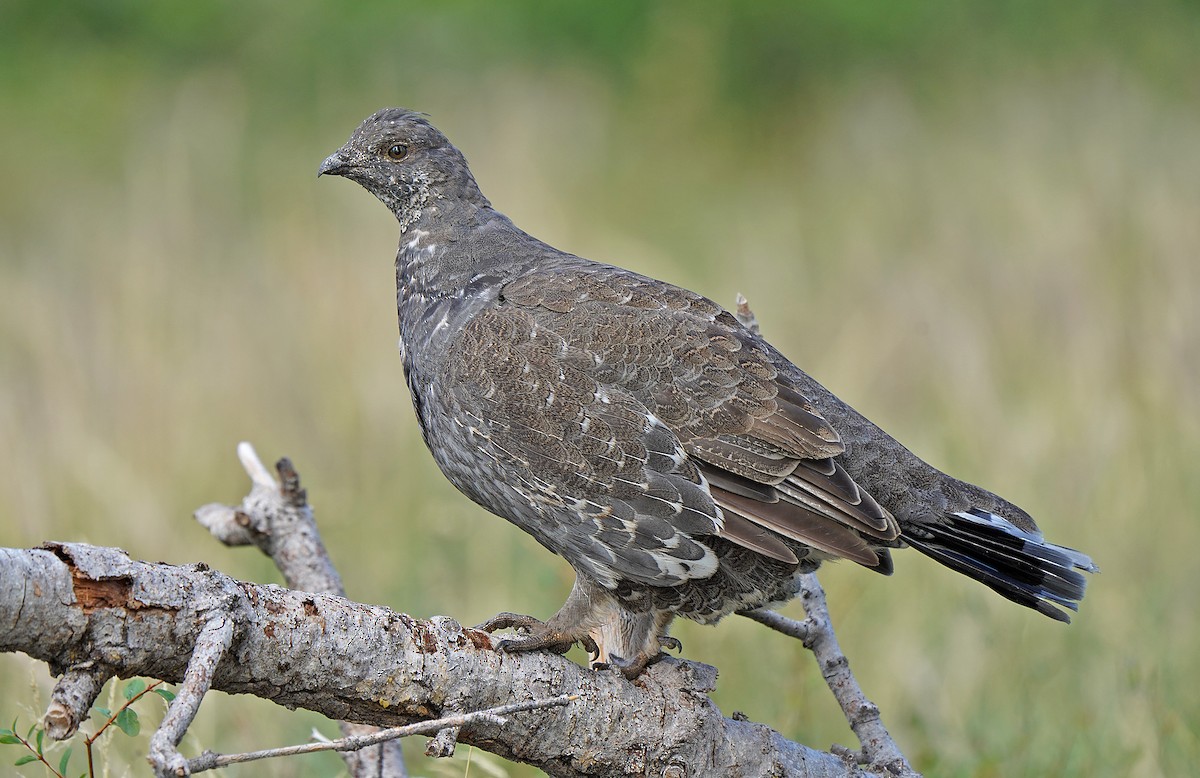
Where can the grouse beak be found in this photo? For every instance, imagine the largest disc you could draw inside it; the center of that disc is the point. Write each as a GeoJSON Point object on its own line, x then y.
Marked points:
{"type": "Point", "coordinates": [335, 165]}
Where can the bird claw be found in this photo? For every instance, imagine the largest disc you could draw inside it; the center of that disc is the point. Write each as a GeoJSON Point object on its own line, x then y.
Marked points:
{"type": "Point", "coordinates": [589, 645]}
{"type": "Point", "coordinates": [630, 668]}
{"type": "Point", "coordinates": [533, 634]}
{"type": "Point", "coordinates": [507, 620]}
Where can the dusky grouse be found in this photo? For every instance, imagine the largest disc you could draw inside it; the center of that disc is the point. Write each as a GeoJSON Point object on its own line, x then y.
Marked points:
{"type": "Point", "coordinates": [678, 461]}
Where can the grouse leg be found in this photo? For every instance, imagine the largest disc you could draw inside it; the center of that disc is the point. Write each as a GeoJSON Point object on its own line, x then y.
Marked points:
{"type": "Point", "coordinates": [614, 635]}
{"type": "Point", "coordinates": [558, 633]}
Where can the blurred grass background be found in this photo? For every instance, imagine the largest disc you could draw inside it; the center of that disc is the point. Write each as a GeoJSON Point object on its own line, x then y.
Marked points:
{"type": "Point", "coordinates": [976, 222]}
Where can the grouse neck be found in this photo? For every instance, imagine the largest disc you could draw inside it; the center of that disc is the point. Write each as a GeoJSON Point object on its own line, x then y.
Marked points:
{"type": "Point", "coordinates": [427, 199]}
{"type": "Point", "coordinates": [446, 252]}
{"type": "Point", "coordinates": [408, 203]}
{"type": "Point", "coordinates": [419, 275]}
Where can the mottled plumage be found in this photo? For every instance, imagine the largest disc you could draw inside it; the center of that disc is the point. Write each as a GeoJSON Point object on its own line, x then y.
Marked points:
{"type": "Point", "coordinates": [680, 463]}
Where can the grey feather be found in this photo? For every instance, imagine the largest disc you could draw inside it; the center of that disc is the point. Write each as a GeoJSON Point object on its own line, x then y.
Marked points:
{"type": "Point", "coordinates": [675, 458]}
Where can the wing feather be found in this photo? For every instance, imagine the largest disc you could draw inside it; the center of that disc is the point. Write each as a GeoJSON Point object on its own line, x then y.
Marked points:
{"type": "Point", "coordinates": [678, 419]}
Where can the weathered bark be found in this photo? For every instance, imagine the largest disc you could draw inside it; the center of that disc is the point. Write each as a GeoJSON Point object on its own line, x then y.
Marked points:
{"type": "Point", "coordinates": [276, 518]}
{"type": "Point", "coordinates": [78, 606]}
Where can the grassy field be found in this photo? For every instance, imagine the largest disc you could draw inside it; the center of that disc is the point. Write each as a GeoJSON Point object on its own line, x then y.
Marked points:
{"type": "Point", "coordinates": [980, 226]}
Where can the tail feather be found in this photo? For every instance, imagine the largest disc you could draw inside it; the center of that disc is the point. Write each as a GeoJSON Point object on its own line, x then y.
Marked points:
{"type": "Point", "coordinates": [1019, 565]}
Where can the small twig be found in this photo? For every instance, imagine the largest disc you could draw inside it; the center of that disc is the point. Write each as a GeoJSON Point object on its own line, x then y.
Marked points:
{"type": "Point", "coordinates": [441, 745]}
{"type": "Point", "coordinates": [209, 760]}
{"type": "Point", "coordinates": [800, 630]}
{"type": "Point", "coordinates": [71, 699]}
{"type": "Point", "coordinates": [254, 466]}
{"type": "Point", "coordinates": [816, 632]}
{"type": "Point", "coordinates": [215, 639]}
{"type": "Point", "coordinates": [289, 482]}
{"type": "Point", "coordinates": [35, 752]}
{"type": "Point", "coordinates": [276, 518]}
{"type": "Point", "coordinates": [91, 739]}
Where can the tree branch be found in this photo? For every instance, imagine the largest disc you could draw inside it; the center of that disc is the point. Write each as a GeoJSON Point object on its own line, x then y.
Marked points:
{"type": "Point", "coordinates": [64, 602]}
{"type": "Point", "coordinates": [879, 750]}
{"type": "Point", "coordinates": [209, 760]}
{"type": "Point", "coordinates": [211, 646]}
{"type": "Point", "coordinates": [92, 613]}
{"type": "Point", "coordinates": [275, 517]}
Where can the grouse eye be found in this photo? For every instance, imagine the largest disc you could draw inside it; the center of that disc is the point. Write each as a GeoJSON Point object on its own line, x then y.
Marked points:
{"type": "Point", "coordinates": [397, 151]}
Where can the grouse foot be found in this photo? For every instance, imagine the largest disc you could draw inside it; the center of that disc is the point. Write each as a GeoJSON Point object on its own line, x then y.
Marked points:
{"type": "Point", "coordinates": [632, 668]}
{"type": "Point", "coordinates": [534, 634]}
{"type": "Point", "coordinates": [614, 636]}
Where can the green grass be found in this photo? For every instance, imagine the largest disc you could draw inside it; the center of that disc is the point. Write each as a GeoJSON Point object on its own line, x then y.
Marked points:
{"type": "Point", "coordinates": [981, 232]}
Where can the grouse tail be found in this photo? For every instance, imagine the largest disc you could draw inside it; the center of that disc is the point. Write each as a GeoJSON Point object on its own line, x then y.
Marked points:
{"type": "Point", "coordinates": [1018, 564]}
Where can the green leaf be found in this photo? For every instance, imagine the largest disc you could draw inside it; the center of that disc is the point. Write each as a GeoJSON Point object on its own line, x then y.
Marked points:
{"type": "Point", "coordinates": [29, 734]}
{"type": "Point", "coordinates": [41, 733]}
{"type": "Point", "coordinates": [9, 739]}
{"type": "Point", "coordinates": [98, 711]}
{"type": "Point", "coordinates": [62, 763]}
{"type": "Point", "coordinates": [4, 731]}
{"type": "Point", "coordinates": [166, 694]}
{"type": "Point", "coordinates": [25, 760]}
{"type": "Point", "coordinates": [127, 720]}
{"type": "Point", "coordinates": [134, 688]}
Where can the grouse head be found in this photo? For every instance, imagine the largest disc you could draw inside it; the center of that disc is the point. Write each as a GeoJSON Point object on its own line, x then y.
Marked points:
{"type": "Point", "coordinates": [402, 159]}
